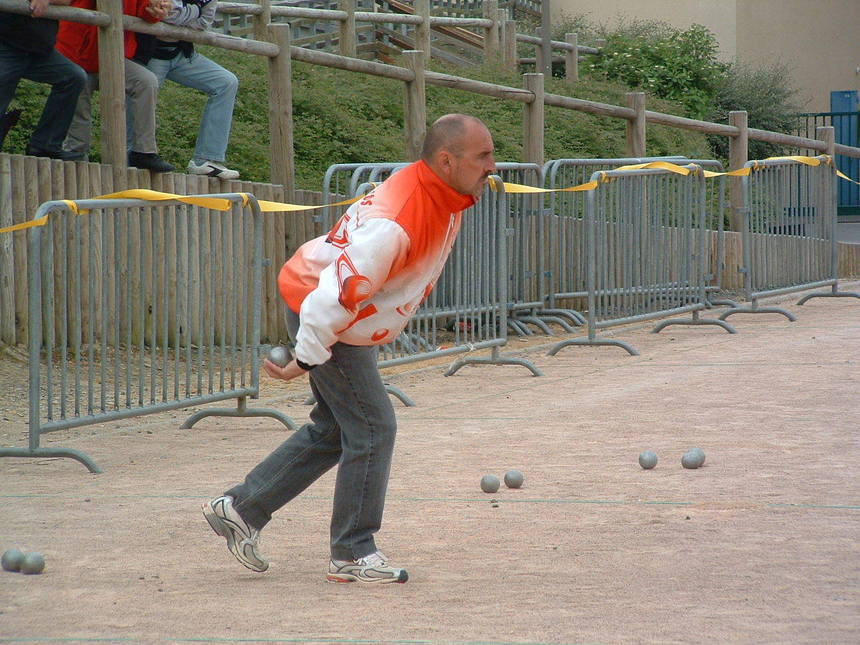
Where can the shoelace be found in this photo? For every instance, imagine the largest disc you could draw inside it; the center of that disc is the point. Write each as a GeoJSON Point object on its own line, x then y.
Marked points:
{"type": "Point", "coordinates": [377, 559]}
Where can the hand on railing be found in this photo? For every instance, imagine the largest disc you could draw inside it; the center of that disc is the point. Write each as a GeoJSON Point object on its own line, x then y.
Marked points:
{"type": "Point", "coordinates": [37, 7]}
{"type": "Point", "coordinates": [159, 8]}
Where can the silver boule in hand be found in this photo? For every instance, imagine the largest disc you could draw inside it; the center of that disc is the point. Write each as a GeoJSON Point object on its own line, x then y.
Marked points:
{"type": "Point", "coordinates": [279, 355]}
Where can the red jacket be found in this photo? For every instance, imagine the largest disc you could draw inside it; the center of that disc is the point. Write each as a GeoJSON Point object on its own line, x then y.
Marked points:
{"type": "Point", "coordinates": [80, 43]}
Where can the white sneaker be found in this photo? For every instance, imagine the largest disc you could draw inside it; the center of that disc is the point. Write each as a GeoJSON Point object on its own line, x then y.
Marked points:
{"type": "Point", "coordinates": [212, 169]}
{"type": "Point", "coordinates": [242, 539]}
{"type": "Point", "coordinates": [373, 568]}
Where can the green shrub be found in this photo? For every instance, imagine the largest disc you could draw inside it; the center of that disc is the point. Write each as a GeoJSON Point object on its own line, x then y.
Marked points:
{"type": "Point", "coordinates": [670, 63]}
{"type": "Point", "coordinates": [768, 98]}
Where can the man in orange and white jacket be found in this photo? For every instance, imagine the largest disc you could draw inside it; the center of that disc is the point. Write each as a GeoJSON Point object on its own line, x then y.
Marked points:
{"type": "Point", "coordinates": [346, 293]}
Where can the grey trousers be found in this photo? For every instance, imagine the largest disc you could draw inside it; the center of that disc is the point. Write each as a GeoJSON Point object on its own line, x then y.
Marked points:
{"type": "Point", "coordinates": [352, 426]}
{"type": "Point", "coordinates": [141, 98]}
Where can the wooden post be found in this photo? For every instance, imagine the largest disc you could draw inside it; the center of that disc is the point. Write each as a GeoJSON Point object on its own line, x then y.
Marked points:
{"type": "Point", "coordinates": [491, 35]}
{"type": "Point", "coordinates": [415, 106]}
{"type": "Point", "coordinates": [539, 62]}
{"type": "Point", "coordinates": [546, 37]}
{"type": "Point", "coordinates": [571, 59]}
{"type": "Point", "coordinates": [533, 120]}
{"type": "Point", "coordinates": [348, 45]}
{"type": "Point", "coordinates": [112, 86]}
{"type": "Point", "coordinates": [261, 20]}
{"type": "Point", "coordinates": [636, 125]}
{"type": "Point", "coordinates": [281, 154]}
{"type": "Point", "coordinates": [501, 19]}
{"type": "Point", "coordinates": [511, 61]}
{"type": "Point", "coordinates": [738, 156]}
{"type": "Point", "coordinates": [827, 134]}
{"type": "Point", "coordinates": [422, 31]}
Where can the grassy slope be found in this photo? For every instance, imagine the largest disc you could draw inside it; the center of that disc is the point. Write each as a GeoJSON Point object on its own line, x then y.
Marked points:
{"type": "Point", "coordinates": [343, 117]}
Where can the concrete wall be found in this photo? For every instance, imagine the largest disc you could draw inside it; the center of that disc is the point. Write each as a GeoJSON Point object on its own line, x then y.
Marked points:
{"type": "Point", "coordinates": [819, 40]}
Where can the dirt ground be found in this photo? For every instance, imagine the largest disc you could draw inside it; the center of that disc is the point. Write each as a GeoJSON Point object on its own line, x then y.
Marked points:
{"type": "Point", "coordinates": [758, 546]}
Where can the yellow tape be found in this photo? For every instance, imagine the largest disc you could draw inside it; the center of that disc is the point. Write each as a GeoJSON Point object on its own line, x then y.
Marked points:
{"type": "Point", "coordinates": [279, 207]}
{"type": "Point", "coordinates": [25, 225]}
{"type": "Point", "coordinates": [214, 203]}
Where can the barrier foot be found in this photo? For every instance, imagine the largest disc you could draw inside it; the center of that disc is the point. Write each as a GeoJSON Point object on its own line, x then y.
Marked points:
{"type": "Point", "coordinates": [759, 310]}
{"type": "Point", "coordinates": [397, 392]}
{"type": "Point", "coordinates": [558, 320]}
{"type": "Point", "coordinates": [592, 341]}
{"type": "Point", "coordinates": [400, 394]}
{"type": "Point", "coordinates": [493, 359]}
{"type": "Point", "coordinates": [574, 316]}
{"type": "Point", "coordinates": [241, 410]}
{"type": "Point", "coordinates": [694, 321]}
{"type": "Point", "coordinates": [829, 294]}
{"type": "Point", "coordinates": [519, 328]}
{"type": "Point", "coordinates": [537, 322]}
{"type": "Point", "coordinates": [52, 452]}
{"type": "Point", "coordinates": [723, 302]}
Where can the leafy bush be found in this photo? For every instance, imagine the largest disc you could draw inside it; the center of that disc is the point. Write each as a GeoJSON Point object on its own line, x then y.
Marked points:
{"type": "Point", "coordinates": [670, 63]}
{"type": "Point", "coordinates": [768, 98]}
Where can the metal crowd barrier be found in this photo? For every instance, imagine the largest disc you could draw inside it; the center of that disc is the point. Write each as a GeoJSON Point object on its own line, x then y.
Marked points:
{"type": "Point", "coordinates": [137, 307]}
{"type": "Point", "coordinates": [789, 233]}
{"type": "Point", "coordinates": [645, 251]}
{"type": "Point", "coordinates": [565, 281]}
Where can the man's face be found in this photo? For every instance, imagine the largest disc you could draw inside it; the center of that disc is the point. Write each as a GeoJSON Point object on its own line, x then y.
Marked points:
{"type": "Point", "coordinates": [472, 162]}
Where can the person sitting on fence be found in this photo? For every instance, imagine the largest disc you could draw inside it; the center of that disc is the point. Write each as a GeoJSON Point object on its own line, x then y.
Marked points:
{"type": "Point", "coordinates": [79, 42]}
{"type": "Point", "coordinates": [347, 293]}
{"type": "Point", "coordinates": [27, 51]}
{"type": "Point", "coordinates": [176, 60]}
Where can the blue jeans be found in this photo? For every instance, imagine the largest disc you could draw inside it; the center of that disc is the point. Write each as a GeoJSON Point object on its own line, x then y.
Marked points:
{"type": "Point", "coordinates": [66, 80]}
{"type": "Point", "coordinates": [200, 73]}
{"type": "Point", "coordinates": [352, 426]}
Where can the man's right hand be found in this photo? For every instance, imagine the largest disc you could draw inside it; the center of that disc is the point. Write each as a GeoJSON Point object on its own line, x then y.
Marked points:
{"type": "Point", "coordinates": [286, 373]}
{"type": "Point", "coordinates": [37, 7]}
{"type": "Point", "coordinates": [159, 8]}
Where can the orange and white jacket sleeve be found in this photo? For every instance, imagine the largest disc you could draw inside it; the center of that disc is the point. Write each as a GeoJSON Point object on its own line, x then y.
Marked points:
{"type": "Point", "coordinates": [370, 252]}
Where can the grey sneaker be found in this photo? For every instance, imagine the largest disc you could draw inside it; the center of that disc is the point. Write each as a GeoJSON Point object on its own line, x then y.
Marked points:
{"type": "Point", "coordinates": [212, 169]}
{"type": "Point", "coordinates": [242, 539]}
{"type": "Point", "coordinates": [373, 568]}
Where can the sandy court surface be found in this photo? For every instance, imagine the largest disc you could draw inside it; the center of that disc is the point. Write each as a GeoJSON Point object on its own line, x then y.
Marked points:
{"type": "Point", "coordinates": [758, 546]}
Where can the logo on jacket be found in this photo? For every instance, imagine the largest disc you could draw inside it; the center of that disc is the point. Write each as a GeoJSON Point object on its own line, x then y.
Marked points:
{"type": "Point", "coordinates": [354, 288]}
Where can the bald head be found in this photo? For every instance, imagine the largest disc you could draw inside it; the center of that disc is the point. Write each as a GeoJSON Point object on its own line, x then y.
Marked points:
{"type": "Point", "coordinates": [449, 132]}
{"type": "Point", "coordinates": [459, 149]}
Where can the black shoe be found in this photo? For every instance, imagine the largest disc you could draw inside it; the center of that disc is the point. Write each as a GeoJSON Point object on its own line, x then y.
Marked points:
{"type": "Point", "coordinates": [148, 161]}
{"type": "Point", "coordinates": [53, 154]}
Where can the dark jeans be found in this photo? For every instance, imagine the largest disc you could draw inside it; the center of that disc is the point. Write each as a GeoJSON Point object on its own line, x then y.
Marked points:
{"type": "Point", "coordinates": [66, 80]}
{"type": "Point", "coordinates": [352, 425]}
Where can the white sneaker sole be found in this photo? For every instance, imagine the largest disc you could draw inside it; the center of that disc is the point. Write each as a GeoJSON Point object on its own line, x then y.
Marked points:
{"type": "Point", "coordinates": [401, 577]}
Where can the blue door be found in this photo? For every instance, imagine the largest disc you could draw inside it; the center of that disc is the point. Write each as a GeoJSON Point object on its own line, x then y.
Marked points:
{"type": "Point", "coordinates": [845, 108]}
